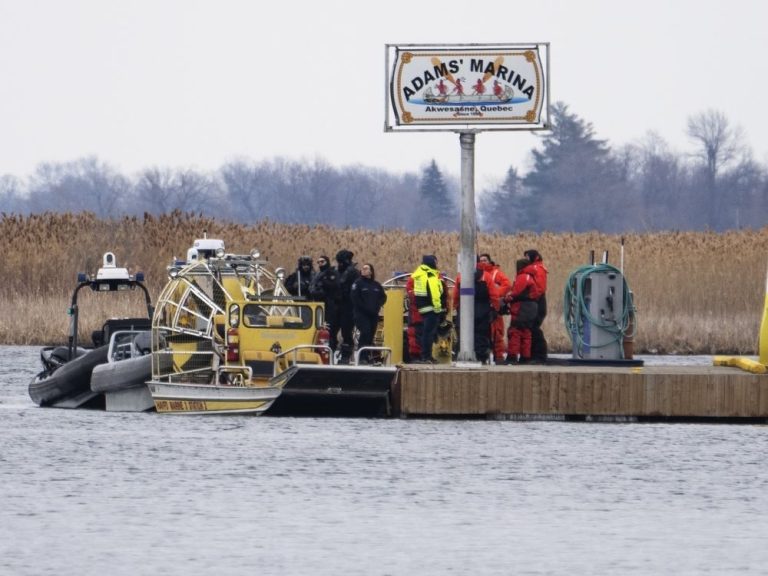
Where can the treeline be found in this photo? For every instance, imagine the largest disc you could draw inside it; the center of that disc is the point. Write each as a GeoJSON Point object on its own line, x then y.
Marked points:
{"type": "Point", "coordinates": [577, 183]}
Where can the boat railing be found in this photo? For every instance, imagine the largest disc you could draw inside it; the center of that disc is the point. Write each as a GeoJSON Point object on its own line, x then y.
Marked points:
{"type": "Point", "coordinates": [234, 375]}
{"type": "Point", "coordinates": [293, 356]}
{"type": "Point", "coordinates": [383, 355]}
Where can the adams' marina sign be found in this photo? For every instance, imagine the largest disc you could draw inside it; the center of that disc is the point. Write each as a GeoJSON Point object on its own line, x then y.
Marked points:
{"type": "Point", "coordinates": [468, 86]}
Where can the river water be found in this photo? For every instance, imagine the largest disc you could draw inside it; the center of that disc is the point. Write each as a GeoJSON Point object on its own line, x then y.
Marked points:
{"type": "Point", "coordinates": [92, 493]}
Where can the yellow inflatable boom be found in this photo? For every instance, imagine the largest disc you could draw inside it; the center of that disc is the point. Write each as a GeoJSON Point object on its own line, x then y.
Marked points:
{"type": "Point", "coordinates": [762, 342]}
{"type": "Point", "coordinates": [759, 366]}
{"type": "Point", "coordinates": [746, 364]}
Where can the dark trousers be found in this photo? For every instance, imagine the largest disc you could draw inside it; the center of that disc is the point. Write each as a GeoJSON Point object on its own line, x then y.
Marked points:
{"type": "Point", "coordinates": [538, 344]}
{"type": "Point", "coordinates": [332, 319]}
{"type": "Point", "coordinates": [367, 327]}
{"type": "Point", "coordinates": [347, 325]}
{"type": "Point", "coordinates": [482, 338]}
{"type": "Point", "coordinates": [431, 320]}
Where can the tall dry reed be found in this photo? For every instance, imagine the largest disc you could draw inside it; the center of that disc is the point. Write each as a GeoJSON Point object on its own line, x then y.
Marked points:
{"type": "Point", "coordinates": [696, 292]}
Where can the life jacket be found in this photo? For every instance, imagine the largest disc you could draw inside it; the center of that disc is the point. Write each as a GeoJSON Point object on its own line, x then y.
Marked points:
{"type": "Point", "coordinates": [539, 273]}
{"type": "Point", "coordinates": [499, 278]}
{"type": "Point", "coordinates": [427, 289]}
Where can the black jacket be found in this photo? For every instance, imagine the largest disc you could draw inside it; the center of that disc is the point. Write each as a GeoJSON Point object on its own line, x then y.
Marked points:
{"type": "Point", "coordinates": [367, 297]}
{"type": "Point", "coordinates": [348, 274]}
{"type": "Point", "coordinates": [300, 279]}
{"type": "Point", "coordinates": [324, 287]}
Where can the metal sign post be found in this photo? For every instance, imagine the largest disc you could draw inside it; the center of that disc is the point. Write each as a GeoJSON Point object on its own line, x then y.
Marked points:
{"type": "Point", "coordinates": [467, 88]}
{"type": "Point", "coordinates": [467, 253]}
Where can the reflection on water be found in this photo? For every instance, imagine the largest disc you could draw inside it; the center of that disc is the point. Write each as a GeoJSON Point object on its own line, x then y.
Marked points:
{"type": "Point", "coordinates": [103, 493]}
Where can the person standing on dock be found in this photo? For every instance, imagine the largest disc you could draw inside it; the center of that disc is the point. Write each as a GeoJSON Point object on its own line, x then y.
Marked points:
{"type": "Point", "coordinates": [368, 297]}
{"type": "Point", "coordinates": [539, 272]}
{"type": "Point", "coordinates": [484, 311]}
{"type": "Point", "coordinates": [430, 301]}
{"type": "Point", "coordinates": [487, 305]}
{"type": "Point", "coordinates": [523, 311]}
{"type": "Point", "coordinates": [499, 284]}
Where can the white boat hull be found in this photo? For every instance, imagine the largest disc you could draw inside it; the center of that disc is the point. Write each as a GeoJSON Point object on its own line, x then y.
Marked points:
{"type": "Point", "coordinates": [122, 375]}
{"type": "Point", "coordinates": [180, 398]}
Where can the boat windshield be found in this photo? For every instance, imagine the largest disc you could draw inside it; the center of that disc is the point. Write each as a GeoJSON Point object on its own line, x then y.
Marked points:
{"type": "Point", "coordinates": [277, 316]}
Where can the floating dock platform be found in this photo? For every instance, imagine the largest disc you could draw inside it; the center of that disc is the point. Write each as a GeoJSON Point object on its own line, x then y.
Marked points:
{"type": "Point", "coordinates": [582, 393]}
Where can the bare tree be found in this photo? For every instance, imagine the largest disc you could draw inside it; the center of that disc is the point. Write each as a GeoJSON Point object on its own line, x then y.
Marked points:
{"type": "Point", "coordinates": [84, 184]}
{"type": "Point", "coordinates": [251, 189]}
{"type": "Point", "coordinates": [720, 146]}
{"type": "Point", "coordinates": [161, 190]}
{"type": "Point", "coordinates": [12, 198]}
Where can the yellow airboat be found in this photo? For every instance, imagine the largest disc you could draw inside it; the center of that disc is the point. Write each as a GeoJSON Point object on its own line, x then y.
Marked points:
{"type": "Point", "coordinates": [227, 337]}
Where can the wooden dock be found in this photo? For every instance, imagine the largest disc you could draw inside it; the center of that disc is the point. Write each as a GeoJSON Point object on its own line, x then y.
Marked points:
{"type": "Point", "coordinates": [578, 392]}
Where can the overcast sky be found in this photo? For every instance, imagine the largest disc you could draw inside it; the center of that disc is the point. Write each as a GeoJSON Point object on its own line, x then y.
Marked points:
{"type": "Point", "coordinates": [195, 83]}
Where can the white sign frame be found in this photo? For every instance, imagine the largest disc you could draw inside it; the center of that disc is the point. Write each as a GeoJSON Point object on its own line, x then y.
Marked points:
{"type": "Point", "coordinates": [466, 87]}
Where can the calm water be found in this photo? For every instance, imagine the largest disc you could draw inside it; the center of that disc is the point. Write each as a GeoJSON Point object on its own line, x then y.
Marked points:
{"type": "Point", "coordinates": [86, 493]}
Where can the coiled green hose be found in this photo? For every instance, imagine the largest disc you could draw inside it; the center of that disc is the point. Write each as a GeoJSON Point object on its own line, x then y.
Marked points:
{"type": "Point", "coordinates": [576, 313]}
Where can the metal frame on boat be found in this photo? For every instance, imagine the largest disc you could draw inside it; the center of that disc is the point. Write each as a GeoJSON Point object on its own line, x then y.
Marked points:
{"type": "Point", "coordinates": [66, 379]}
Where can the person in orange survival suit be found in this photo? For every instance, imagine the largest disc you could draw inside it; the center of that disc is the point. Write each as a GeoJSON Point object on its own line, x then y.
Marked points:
{"type": "Point", "coordinates": [502, 285]}
{"type": "Point", "coordinates": [494, 297]}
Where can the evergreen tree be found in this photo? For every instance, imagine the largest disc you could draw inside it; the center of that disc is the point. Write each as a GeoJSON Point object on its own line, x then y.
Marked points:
{"type": "Point", "coordinates": [574, 184]}
{"type": "Point", "coordinates": [502, 209]}
{"type": "Point", "coordinates": [438, 209]}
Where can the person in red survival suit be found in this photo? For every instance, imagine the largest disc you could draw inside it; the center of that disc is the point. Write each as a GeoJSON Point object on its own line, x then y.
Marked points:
{"type": "Point", "coordinates": [523, 310]}
{"type": "Point", "coordinates": [502, 285]}
{"type": "Point", "coordinates": [539, 272]}
{"type": "Point", "coordinates": [415, 322]}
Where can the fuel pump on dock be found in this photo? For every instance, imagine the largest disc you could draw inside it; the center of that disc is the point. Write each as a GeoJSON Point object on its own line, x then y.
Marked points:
{"type": "Point", "coordinates": [599, 315]}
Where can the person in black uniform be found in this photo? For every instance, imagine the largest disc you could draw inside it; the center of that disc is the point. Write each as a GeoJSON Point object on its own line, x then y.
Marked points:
{"type": "Point", "coordinates": [348, 273]}
{"type": "Point", "coordinates": [482, 318]}
{"type": "Point", "coordinates": [325, 288]}
{"type": "Point", "coordinates": [367, 297]}
{"type": "Point", "coordinates": [298, 282]}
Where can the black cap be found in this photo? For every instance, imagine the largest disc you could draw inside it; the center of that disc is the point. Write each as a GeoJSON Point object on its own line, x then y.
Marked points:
{"type": "Point", "coordinates": [344, 256]}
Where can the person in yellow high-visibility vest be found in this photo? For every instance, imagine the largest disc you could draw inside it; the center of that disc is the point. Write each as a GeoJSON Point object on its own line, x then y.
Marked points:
{"type": "Point", "coordinates": [430, 301]}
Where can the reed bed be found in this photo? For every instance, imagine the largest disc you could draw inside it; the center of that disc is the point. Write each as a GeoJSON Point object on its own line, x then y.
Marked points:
{"type": "Point", "coordinates": [696, 292]}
